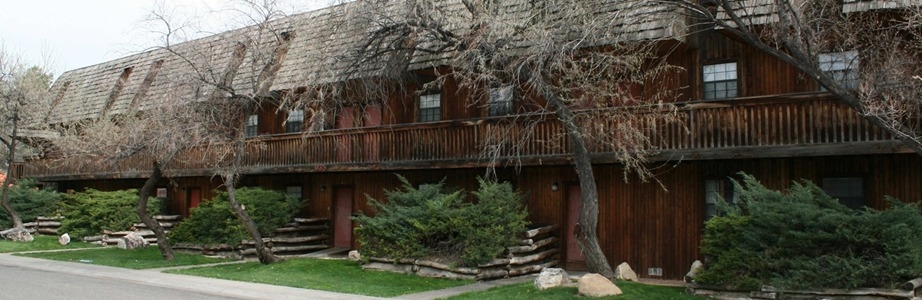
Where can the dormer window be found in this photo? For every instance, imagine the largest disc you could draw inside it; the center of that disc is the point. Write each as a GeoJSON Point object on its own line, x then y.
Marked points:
{"type": "Point", "coordinates": [252, 126]}
{"type": "Point", "coordinates": [500, 101]}
{"type": "Point", "coordinates": [842, 66]}
{"type": "Point", "coordinates": [720, 81]}
{"type": "Point", "coordinates": [295, 121]}
{"type": "Point", "coordinates": [430, 108]}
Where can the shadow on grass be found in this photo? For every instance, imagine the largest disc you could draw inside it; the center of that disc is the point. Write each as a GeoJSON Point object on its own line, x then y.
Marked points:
{"type": "Point", "coordinates": [632, 291]}
{"type": "Point", "coordinates": [41, 243]}
{"type": "Point", "coordinates": [144, 258]}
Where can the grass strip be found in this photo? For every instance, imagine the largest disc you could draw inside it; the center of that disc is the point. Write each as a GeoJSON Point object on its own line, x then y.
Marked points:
{"type": "Point", "coordinates": [341, 276]}
{"type": "Point", "coordinates": [144, 258]}
{"type": "Point", "coordinates": [41, 243]}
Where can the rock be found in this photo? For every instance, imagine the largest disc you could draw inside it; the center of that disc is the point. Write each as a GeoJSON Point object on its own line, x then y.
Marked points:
{"type": "Point", "coordinates": [624, 272]}
{"type": "Point", "coordinates": [551, 277]}
{"type": "Point", "coordinates": [17, 234]}
{"type": "Point", "coordinates": [354, 255]}
{"type": "Point", "coordinates": [695, 268]}
{"type": "Point", "coordinates": [595, 285]}
{"type": "Point", "coordinates": [132, 241]}
{"type": "Point", "coordinates": [64, 239]}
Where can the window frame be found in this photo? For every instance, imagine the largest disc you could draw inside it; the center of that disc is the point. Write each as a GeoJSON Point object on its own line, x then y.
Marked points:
{"type": "Point", "coordinates": [431, 113]}
{"type": "Point", "coordinates": [251, 128]}
{"type": "Point", "coordinates": [293, 126]}
{"type": "Point", "coordinates": [720, 75]}
{"type": "Point", "coordinates": [843, 66]}
{"type": "Point", "coordinates": [500, 100]}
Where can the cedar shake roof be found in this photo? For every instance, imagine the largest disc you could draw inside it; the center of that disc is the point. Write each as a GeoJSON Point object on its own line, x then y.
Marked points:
{"type": "Point", "coordinates": [319, 40]}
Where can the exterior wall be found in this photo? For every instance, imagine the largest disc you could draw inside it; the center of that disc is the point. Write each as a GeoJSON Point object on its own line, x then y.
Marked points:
{"type": "Point", "coordinates": [639, 222]}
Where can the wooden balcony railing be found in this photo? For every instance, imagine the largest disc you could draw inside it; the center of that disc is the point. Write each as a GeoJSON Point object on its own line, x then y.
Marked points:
{"type": "Point", "coordinates": [705, 127]}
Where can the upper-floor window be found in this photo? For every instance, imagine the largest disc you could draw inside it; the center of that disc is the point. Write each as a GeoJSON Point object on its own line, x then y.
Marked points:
{"type": "Point", "coordinates": [842, 66]}
{"type": "Point", "coordinates": [500, 101]}
{"type": "Point", "coordinates": [252, 126]}
{"type": "Point", "coordinates": [720, 81]}
{"type": "Point", "coordinates": [430, 107]}
{"type": "Point", "coordinates": [295, 121]}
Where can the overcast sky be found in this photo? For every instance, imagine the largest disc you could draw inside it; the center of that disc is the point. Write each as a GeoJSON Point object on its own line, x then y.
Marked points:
{"type": "Point", "coordinates": [77, 33]}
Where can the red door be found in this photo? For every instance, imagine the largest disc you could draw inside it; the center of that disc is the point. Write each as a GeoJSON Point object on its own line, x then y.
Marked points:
{"type": "Point", "coordinates": [371, 117]}
{"type": "Point", "coordinates": [195, 197]}
{"type": "Point", "coordinates": [344, 119]}
{"type": "Point", "coordinates": [342, 217]}
{"type": "Point", "coordinates": [574, 205]}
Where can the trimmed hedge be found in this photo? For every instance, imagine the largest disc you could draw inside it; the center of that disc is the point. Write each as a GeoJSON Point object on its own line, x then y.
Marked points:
{"type": "Point", "coordinates": [29, 202]}
{"type": "Point", "coordinates": [214, 222]}
{"type": "Point", "coordinates": [805, 239]}
{"type": "Point", "coordinates": [89, 213]}
{"type": "Point", "coordinates": [432, 222]}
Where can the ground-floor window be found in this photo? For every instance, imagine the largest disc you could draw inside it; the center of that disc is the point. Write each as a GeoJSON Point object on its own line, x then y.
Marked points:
{"type": "Point", "coordinates": [849, 190]}
{"type": "Point", "coordinates": [715, 189]}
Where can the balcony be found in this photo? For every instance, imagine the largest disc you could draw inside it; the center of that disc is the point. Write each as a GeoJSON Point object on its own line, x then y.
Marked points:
{"type": "Point", "coordinates": [801, 125]}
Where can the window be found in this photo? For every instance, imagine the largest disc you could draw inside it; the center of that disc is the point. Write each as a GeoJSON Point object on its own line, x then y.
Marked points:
{"type": "Point", "coordinates": [842, 66]}
{"type": "Point", "coordinates": [720, 81]}
{"type": "Point", "coordinates": [430, 107]}
{"type": "Point", "coordinates": [715, 189]}
{"type": "Point", "coordinates": [252, 127]}
{"type": "Point", "coordinates": [293, 191]}
{"type": "Point", "coordinates": [849, 190]}
{"type": "Point", "coordinates": [500, 102]}
{"type": "Point", "coordinates": [295, 121]}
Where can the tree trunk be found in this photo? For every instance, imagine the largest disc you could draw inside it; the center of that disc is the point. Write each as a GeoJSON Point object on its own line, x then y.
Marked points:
{"type": "Point", "coordinates": [5, 188]}
{"type": "Point", "coordinates": [265, 255]}
{"type": "Point", "coordinates": [586, 227]}
{"type": "Point", "coordinates": [165, 250]}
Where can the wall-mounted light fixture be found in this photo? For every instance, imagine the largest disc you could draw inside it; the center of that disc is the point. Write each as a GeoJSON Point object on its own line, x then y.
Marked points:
{"type": "Point", "coordinates": [554, 186]}
{"type": "Point", "coordinates": [323, 188]}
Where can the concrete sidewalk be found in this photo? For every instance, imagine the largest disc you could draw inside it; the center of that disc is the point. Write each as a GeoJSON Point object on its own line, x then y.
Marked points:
{"type": "Point", "coordinates": [227, 288]}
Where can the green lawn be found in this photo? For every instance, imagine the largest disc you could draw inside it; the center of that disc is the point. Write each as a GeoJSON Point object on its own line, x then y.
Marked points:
{"type": "Point", "coordinates": [329, 275]}
{"type": "Point", "coordinates": [632, 291]}
{"type": "Point", "coordinates": [41, 243]}
{"type": "Point", "coordinates": [144, 258]}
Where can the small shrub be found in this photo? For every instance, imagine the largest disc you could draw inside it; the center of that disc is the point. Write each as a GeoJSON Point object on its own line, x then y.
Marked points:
{"type": "Point", "coordinates": [431, 221]}
{"type": "Point", "coordinates": [89, 213]}
{"type": "Point", "coordinates": [214, 222]}
{"type": "Point", "coordinates": [805, 239]}
{"type": "Point", "coordinates": [29, 202]}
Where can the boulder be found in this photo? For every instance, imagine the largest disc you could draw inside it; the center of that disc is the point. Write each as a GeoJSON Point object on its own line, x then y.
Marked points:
{"type": "Point", "coordinates": [695, 268]}
{"type": "Point", "coordinates": [132, 241]}
{"type": "Point", "coordinates": [624, 272]}
{"type": "Point", "coordinates": [354, 255]}
{"type": "Point", "coordinates": [551, 277]}
{"type": "Point", "coordinates": [17, 234]}
{"type": "Point", "coordinates": [64, 239]}
{"type": "Point", "coordinates": [595, 285]}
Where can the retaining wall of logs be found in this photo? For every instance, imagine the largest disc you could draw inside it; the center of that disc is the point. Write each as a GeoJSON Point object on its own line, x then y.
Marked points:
{"type": "Point", "coordinates": [302, 236]}
{"type": "Point", "coordinates": [44, 225]}
{"type": "Point", "coordinates": [910, 290]}
{"type": "Point", "coordinates": [538, 250]}
{"type": "Point", "coordinates": [110, 238]}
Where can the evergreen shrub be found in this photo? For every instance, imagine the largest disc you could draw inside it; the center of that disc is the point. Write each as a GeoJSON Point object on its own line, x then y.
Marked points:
{"type": "Point", "coordinates": [435, 223]}
{"type": "Point", "coordinates": [805, 239]}
{"type": "Point", "coordinates": [29, 202]}
{"type": "Point", "coordinates": [89, 213]}
{"type": "Point", "coordinates": [214, 222]}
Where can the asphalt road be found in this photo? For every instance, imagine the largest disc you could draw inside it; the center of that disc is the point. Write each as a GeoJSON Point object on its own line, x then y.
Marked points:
{"type": "Point", "coordinates": [22, 283]}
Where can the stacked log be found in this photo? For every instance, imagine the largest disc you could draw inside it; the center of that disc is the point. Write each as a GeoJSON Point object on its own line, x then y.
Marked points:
{"type": "Point", "coordinates": [44, 225]}
{"type": "Point", "coordinates": [110, 238]}
{"type": "Point", "coordinates": [538, 250]}
{"type": "Point", "coordinates": [301, 236]}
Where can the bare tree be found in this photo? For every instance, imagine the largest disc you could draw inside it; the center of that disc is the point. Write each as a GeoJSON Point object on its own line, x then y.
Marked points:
{"type": "Point", "coordinates": [22, 90]}
{"type": "Point", "coordinates": [588, 64]}
{"type": "Point", "coordinates": [865, 53]}
{"type": "Point", "coordinates": [226, 80]}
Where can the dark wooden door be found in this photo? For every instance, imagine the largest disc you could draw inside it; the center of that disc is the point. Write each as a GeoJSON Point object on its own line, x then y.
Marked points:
{"type": "Point", "coordinates": [342, 217]}
{"type": "Point", "coordinates": [574, 205]}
